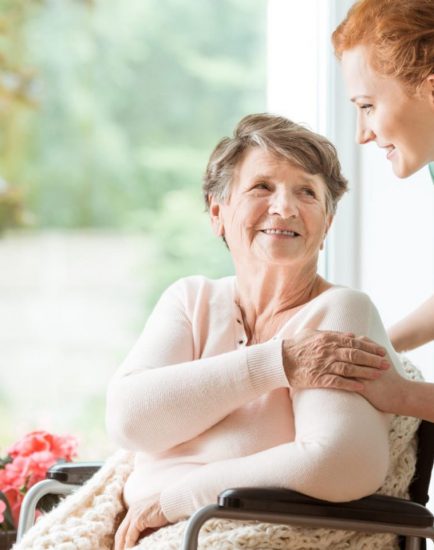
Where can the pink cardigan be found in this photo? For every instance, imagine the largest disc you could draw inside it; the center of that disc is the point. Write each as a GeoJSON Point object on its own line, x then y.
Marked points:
{"type": "Point", "coordinates": [206, 412]}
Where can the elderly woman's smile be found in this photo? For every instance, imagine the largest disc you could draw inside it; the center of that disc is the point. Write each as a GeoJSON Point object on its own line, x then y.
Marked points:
{"type": "Point", "coordinates": [280, 232]}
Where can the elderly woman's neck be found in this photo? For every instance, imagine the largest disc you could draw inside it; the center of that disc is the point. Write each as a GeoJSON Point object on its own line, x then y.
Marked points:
{"type": "Point", "coordinates": [268, 298]}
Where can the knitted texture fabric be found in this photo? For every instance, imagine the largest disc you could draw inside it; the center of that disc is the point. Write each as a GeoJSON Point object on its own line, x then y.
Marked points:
{"type": "Point", "coordinates": [88, 519]}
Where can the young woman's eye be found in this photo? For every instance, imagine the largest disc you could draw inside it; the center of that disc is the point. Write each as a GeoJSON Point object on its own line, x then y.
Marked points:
{"type": "Point", "coordinates": [366, 107]}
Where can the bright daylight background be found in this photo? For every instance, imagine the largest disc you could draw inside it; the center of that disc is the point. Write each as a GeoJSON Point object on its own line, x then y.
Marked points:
{"type": "Point", "coordinates": [108, 112]}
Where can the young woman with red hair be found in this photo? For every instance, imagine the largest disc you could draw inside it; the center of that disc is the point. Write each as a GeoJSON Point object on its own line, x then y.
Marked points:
{"type": "Point", "coordinates": [386, 48]}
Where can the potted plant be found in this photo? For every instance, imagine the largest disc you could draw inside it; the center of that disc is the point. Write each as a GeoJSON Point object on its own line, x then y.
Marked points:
{"type": "Point", "coordinates": [26, 462]}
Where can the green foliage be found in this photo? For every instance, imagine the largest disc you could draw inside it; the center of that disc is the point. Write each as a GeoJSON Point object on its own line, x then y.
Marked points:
{"type": "Point", "coordinates": [16, 97]}
{"type": "Point", "coordinates": [11, 206]}
{"type": "Point", "coordinates": [184, 244]}
{"type": "Point", "coordinates": [133, 96]}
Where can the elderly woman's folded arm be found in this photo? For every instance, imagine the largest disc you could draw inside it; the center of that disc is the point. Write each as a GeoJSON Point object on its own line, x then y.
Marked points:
{"type": "Point", "coordinates": [341, 453]}
{"type": "Point", "coordinates": [161, 397]}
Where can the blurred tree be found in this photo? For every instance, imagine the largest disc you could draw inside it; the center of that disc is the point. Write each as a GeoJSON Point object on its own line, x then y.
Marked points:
{"type": "Point", "coordinates": [132, 98]}
{"type": "Point", "coordinates": [16, 97]}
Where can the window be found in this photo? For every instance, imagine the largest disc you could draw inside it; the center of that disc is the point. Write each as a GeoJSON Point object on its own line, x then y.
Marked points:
{"type": "Point", "coordinates": [108, 122]}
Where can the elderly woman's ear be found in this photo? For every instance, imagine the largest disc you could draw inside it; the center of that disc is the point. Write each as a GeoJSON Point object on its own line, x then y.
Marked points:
{"type": "Point", "coordinates": [216, 217]}
{"type": "Point", "coordinates": [328, 224]}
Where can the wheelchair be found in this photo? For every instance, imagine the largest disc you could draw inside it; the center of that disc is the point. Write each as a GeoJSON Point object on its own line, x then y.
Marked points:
{"type": "Point", "coordinates": [410, 519]}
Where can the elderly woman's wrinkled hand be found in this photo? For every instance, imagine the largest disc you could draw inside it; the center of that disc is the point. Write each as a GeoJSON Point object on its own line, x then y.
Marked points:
{"type": "Point", "coordinates": [143, 517]}
{"type": "Point", "coordinates": [327, 359]}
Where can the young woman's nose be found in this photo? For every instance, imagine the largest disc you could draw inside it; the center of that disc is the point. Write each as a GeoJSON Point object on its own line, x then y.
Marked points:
{"type": "Point", "coordinates": [364, 134]}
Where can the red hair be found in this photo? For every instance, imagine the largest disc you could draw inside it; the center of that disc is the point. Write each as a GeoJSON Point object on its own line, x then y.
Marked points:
{"type": "Point", "coordinates": [399, 35]}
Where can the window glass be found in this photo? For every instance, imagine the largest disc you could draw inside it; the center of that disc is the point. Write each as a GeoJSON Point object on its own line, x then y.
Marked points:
{"type": "Point", "coordinates": [109, 111]}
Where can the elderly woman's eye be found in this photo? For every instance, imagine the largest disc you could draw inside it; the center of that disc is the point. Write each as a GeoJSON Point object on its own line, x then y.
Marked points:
{"type": "Point", "coordinates": [309, 191]}
{"type": "Point", "coordinates": [261, 185]}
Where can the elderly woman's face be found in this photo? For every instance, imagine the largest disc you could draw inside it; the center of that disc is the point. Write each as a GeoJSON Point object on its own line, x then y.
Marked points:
{"type": "Point", "coordinates": [276, 211]}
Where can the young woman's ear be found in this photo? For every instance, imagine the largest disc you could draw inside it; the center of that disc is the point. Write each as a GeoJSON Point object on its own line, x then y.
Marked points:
{"type": "Point", "coordinates": [430, 84]}
{"type": "Point", "coordinates": [215, 215]}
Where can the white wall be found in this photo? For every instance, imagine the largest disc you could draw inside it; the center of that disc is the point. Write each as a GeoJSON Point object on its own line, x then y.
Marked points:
{"type": "Point", "coordinates": [297, 84]}
{"type": "Point", "coordinates": [397, 242]}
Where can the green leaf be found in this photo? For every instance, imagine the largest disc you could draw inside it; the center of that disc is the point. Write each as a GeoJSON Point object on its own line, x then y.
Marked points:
{"type": "Point", "coordinates": [3, 461]}
{"type": "Point", "coordinates": [8, 521]}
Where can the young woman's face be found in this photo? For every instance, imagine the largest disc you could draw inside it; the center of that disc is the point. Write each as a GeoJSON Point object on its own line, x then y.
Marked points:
{"type": "Point", "coordinates": [401, 124]}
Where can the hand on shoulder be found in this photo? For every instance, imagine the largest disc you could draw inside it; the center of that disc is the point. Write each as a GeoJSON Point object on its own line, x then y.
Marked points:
{"type": "Point", "coordinates": [328, 359]}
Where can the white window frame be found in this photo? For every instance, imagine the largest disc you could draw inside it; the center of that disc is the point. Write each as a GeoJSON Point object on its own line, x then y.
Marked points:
{"type": "Point", "coordinates": [304, 84]}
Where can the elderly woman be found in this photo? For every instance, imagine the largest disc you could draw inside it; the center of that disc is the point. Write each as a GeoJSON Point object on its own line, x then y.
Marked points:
{"type": "Point", "coordinates": [205, 396]}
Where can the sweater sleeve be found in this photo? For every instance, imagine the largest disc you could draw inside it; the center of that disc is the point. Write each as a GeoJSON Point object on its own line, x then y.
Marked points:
{"type": "Point", "coordinates": [340, 453]}
{"type": "Point", "coordinates": [160, 396]}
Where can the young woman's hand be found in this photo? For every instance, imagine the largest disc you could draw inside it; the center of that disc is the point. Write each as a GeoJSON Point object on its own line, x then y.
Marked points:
{"type": "Point", "coordinates": [389, 393]}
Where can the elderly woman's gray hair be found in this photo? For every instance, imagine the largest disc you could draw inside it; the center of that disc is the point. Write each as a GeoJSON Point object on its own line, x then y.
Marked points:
{"type": "Point", "coordinates": [313, 152]}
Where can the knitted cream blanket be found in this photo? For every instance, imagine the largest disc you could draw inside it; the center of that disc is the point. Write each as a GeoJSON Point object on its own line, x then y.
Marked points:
{"type": "Point", "coordinates": [86, 520]}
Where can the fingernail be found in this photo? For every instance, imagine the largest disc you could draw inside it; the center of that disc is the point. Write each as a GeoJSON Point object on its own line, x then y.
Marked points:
{"type": "Point", "coordinates": [385, 364]}
{"type": "Point", "coordinates": [381, 351]}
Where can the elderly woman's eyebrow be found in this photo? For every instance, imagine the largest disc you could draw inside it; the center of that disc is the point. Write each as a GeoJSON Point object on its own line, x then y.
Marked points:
{"type": "Point", "coordinates": [308, 179]}
{"type": "Point", "coordinates": [263, 177]}
{"type": "Point", "coordinates": [303, 179]}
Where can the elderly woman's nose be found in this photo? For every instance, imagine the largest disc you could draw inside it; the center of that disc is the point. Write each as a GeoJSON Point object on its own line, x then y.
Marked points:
{"type": "Point", "coordinates": [284, 204]}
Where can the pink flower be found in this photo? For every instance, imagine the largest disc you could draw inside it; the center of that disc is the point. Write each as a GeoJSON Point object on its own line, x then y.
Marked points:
{"type": "Point", "coordinates": [31, 457]}
{"type": "Point", "coordinates": [62, 447]}
{"type": "Point", "coordinates": [2, 509]}
{"type": "Point", "coordinates": [17, 471]}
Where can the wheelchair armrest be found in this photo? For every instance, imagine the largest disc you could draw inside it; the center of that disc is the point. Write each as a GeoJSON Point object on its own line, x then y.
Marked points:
{"type": "Point", "coordinates": [375, 508]}
{"type": "Point", "coordinates": [73, 473]}
{"type": "Point", "coordinates": [61, 479]}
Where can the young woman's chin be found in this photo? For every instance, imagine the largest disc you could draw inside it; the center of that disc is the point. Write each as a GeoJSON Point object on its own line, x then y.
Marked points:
{"type": "Point", "coordinates": [403, 168]}
{"type": "Point", "coordinates": [401, 172]}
